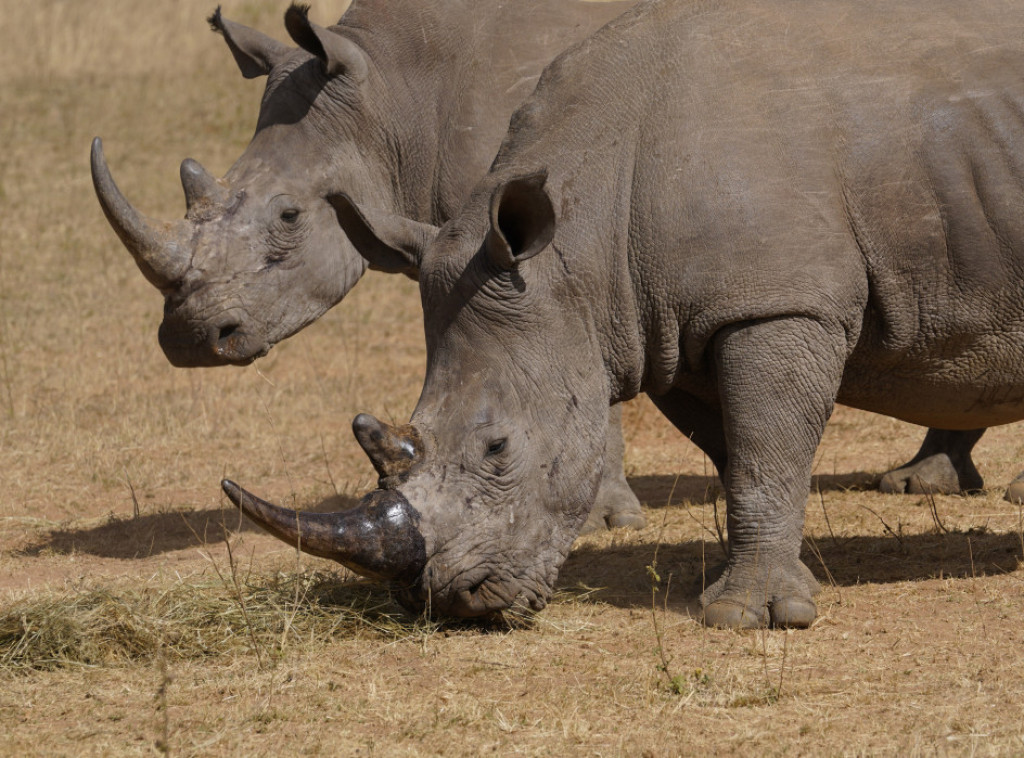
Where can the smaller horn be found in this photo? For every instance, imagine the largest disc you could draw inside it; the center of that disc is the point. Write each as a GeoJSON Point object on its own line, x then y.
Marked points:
{"type": "Point", "coordinates": [379, 538]}
{"type": "Point", "coordinates": [392, 450]}
{"type": "Point", "coordinates": [201, 188]}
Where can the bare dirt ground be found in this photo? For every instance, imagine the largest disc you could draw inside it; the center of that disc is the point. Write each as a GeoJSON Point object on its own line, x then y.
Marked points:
{"type": "Point", "coordinates": [137, 615]}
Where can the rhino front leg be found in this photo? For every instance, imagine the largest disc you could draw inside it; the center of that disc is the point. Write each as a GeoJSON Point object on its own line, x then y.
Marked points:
{"type": "Point", "coordinates": [777, 380]}
{"type": "Point", "coordinates": [615, 504]}
{"type": "Point", "coordinates": [942, 466]}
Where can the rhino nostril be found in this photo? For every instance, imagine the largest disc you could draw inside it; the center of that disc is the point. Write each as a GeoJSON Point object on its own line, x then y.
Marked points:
{"type": "Point", "coordinates": [227, 332]}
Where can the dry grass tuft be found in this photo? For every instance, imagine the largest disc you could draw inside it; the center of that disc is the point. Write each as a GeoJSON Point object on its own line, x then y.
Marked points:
{"type": "Point", "coordinates": [188, 620]}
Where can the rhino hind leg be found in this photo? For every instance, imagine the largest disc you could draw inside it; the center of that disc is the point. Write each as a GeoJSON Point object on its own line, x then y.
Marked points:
{"type": "Point", "coordinates": [943, 466]}
{"type": "Point", "coordinates": [774, 413]}
{"type": "Point", "coordinates": [615, 504]}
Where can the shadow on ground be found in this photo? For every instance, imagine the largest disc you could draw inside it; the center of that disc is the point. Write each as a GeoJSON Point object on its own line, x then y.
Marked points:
{"type": "Point", "coordinates": [618, 574]}
{"type": "Point", "coordinates": [659, 491]}
{"type": "Point", "coordinates": [155, 533]}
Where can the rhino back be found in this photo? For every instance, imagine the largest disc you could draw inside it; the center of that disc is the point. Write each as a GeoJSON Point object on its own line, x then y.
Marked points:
{"type": "Point", "coordinates": [849, 161]}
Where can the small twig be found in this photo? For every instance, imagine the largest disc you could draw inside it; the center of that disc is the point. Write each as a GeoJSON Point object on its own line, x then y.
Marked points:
{"type": "Point", "coordinates": [327, 465]}
{"type": "Point", "coordinates": [935, 511]}
{"type": "Point", "coordinates": [889, 529]}
{"type": "Point", "coordinates": [131, 488]}
{"type": "Point", "coordinates": [828, 523]}
{"type": "Point", "coordinates": [163, 744]}
{"type": "Point", "coordinates": [816, 551]}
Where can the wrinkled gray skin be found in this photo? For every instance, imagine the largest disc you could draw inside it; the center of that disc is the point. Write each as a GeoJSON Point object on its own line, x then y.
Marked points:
{"type": "Point", "coordinates": [402, 106]}
{"type": "Point", "coordinates": [752, 209]}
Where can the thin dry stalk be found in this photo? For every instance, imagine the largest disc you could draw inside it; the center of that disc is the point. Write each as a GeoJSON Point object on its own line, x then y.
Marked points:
{"type": "Point", "coordinates": [816, 552]}
{"type": "Point", "coordinates": [974, 588]}
{"type": "Point", "coordinates": [886, 527]}
{"type": "Point", "coordinates": [674, 683]}
{"type": "Point", "coordinates": [163, 743]}
{"type": "Point", "coordinates": [240, 596]}
{"type": "Point", "coordinates": [939, 526]}
{"type": "Point", "coordinates": [828, 522]}
{"type": "Point", "coordinates": [136, 511]}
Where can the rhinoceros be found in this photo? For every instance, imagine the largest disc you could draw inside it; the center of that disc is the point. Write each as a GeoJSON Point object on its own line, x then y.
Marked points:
{"type": "Point", "coordinates": [747, 209]}
{"type": "Point", "coordinates": [401, 105]}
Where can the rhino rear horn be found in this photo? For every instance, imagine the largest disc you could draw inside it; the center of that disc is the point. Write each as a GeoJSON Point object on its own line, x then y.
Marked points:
{"type": "Point", "coordinates": [392, 450]}
{"type": "Point", "coordinates": [379, 538]}
{"type": "Point", "coordinates": [339, 55]}
{"type": "Point", "coordinates": [201, 188]}
{"type": "Point", "coordinates": [156, 246]}
{"type": "Point", "coordinates": [254, 52]}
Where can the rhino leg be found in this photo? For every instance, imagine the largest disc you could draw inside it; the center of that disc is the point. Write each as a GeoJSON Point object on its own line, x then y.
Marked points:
{"type": "Point", "coordinates": [1015, 492]}
{"type": "Point", "coordinates": [774, 412]}
{"type": "Point", "coordinates": [615, 504]}
{"type": "Point", "coordinates": [942, 466]}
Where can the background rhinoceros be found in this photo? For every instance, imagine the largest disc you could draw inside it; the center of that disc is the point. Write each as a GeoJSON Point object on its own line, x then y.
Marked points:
{"type": "Point", "coordinates": [401, 105]}
{"type": "Point", "coordinates": [770, 215]}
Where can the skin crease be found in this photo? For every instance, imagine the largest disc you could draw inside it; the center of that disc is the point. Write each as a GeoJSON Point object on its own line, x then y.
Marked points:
{"type": "Point", "coordinates": [773, 214]}
{"type": "Point", "coordinates": [378, 119]}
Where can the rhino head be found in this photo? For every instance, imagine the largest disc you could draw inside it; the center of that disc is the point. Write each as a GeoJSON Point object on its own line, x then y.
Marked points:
{"type": "Point", "coordinates": [495, 473]}
{"type": "Point", "coordinates": [259, 254]}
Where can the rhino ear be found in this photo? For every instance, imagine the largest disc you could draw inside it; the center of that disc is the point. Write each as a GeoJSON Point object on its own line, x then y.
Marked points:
{"type": "Point", "coordinates": [389, 243]}
{"type": "Point", "coordinates": [522, 220]}
{"type": "Point", "coordinates": [254, 52]}
{"type": "Point", "coordinates": [339, 55]}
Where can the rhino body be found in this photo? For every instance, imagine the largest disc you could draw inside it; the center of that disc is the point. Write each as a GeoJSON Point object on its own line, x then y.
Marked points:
{"type": "Point", "coordinates": [749, 210]}
{"type": "Point", "coordinates": [401, 105]}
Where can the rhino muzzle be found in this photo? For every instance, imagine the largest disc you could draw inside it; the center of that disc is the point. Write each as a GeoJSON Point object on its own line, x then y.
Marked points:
{"type": "Point", "coordinates": [157, 247]}
{"type": "Point", "coordinates": [379, 538]}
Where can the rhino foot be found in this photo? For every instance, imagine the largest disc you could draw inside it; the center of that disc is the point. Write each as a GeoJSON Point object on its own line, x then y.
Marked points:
{"type": "Point", "coordinates": [615, 506]}
{"type": "Point", "coordinates": [1015, 492]}
{"type": "Point", "coordinates": [942, 466]}
{"type": "Point", "coordinates": [934, 475]}
{"type": "Point", "coordinates": [750, 599]}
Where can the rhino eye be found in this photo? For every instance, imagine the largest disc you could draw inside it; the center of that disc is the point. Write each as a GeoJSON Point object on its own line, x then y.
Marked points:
{"type": "Point", "coordinates": [290, 216]}
{"type": "Point", "coordinates": [496, 447]}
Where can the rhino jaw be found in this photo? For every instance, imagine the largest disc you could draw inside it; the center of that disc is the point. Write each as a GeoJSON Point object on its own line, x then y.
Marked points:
{"type": "Point", "coordinates": [379, 538]}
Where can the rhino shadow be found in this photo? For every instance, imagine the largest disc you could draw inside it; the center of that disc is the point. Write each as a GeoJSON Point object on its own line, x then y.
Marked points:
{"type": "Point", "coordinates": [150, 534]}
{"type": "Point", "coordinates": [618, 574]}
{"type": "Point", "coordinates": [667, 489]}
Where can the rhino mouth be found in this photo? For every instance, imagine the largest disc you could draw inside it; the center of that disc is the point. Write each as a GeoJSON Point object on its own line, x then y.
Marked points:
{"type": "Point", "coordinates": [190, 344]}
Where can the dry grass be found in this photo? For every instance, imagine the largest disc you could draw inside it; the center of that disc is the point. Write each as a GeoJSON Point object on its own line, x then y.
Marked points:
{"type": "Point", "coordinates": [127, 628]}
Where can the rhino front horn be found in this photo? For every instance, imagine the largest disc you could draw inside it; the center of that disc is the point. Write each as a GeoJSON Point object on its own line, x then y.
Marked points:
{"type": "Point", "coordinates": [379, 538]}
{"type": "Point", "coordinates": [155, 246]}
{"type": "Point", "coordinates": [392, 450]}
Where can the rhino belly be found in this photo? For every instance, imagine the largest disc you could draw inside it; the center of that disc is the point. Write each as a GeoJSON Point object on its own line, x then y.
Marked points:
{"type": "Point", "coordinates": [978, 383]}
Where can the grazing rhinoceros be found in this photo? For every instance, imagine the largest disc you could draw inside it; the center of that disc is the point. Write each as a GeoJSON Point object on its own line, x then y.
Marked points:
{"type": "Point", "coordinates": [748, 209]}
{"type": "Point", "coordinates": [401, 105]}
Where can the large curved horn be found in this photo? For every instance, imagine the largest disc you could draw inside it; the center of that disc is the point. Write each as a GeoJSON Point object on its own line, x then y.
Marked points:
{"type": "Point", "coordinates": [155, 246]}
{"type": "Point", "coordinates": [379, 538]}
{"type": "Point", "coordinates": [392, 450]}
{"type": "Point", "coordinates": [201, 188]}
